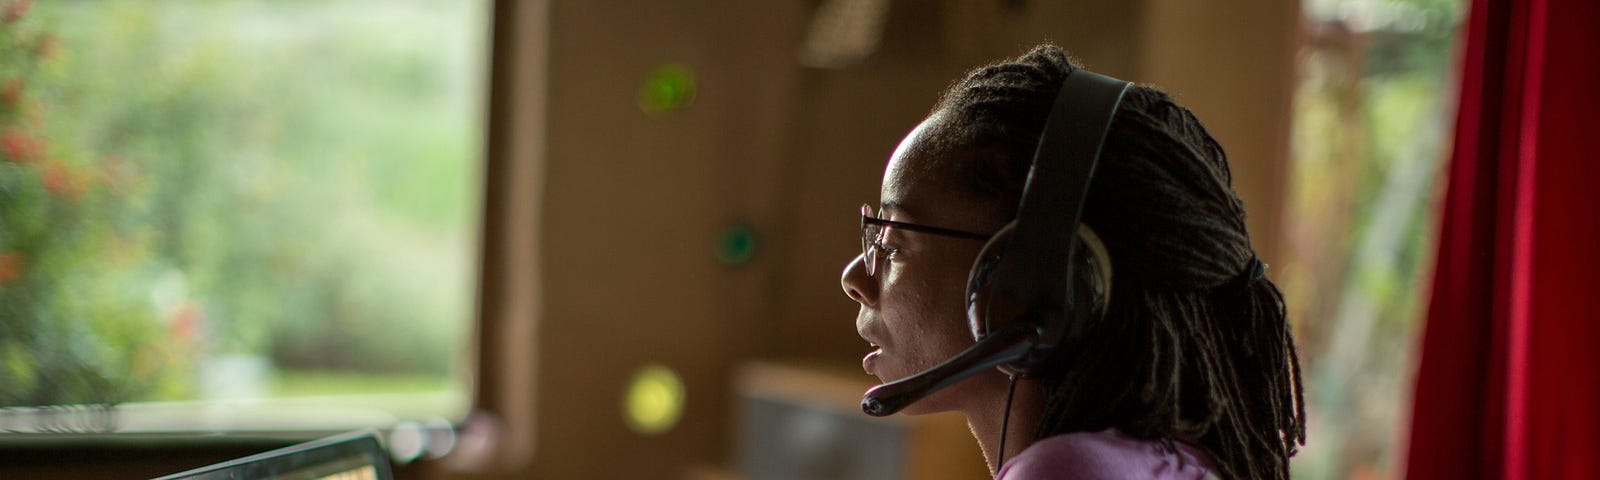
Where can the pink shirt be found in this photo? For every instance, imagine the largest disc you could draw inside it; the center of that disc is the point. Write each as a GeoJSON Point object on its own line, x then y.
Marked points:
{"type": "Point", "coordinates": [1105, 454]}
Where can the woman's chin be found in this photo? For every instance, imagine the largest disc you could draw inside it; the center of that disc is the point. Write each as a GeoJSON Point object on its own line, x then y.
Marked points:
{"type": "Point", "coordinates": [922, 407]}
{"type": "Point", "coordinates": [950, 398]}
{"type": "Point", "coordinates": [889, 374]}
{"type": "Point", "coordinates": [936, 402]}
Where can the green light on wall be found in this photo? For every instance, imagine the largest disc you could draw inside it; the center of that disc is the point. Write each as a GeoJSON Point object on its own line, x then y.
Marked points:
{"type": "Point", "coordinates": [736, 245]}
{"type": "Point", "coordinates": [654, 400]}
{"type": "Point", "coordinates": [668, 88]}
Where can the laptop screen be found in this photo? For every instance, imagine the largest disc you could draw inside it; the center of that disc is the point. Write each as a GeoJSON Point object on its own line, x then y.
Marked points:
{"type": "Point", "coordinates": [351, 456]}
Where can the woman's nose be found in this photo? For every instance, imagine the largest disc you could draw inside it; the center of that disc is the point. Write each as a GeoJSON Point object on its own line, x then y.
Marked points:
{"type": "Point", "coordinates": [857, 284]}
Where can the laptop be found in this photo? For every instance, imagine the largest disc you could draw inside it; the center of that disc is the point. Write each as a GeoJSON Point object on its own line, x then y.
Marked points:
{"type": "Point", "coordinates": [352, 456]}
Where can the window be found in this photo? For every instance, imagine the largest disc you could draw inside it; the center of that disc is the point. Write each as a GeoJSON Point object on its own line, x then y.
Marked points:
{"type": "Point", "coordinates": [1371, 133]}
{"type": "Point", "coordinates": [238, 214]}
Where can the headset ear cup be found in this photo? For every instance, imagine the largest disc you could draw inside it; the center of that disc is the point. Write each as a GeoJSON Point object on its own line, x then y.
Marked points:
{"type": "Point", "coordinates": [980, 278]}
{"type": "Point", "coordinates": [1089, 291]}
{"type": "Point", "coordinates": [1087, 295]}
{"type": "Point", "coordinates": [1084, 303]}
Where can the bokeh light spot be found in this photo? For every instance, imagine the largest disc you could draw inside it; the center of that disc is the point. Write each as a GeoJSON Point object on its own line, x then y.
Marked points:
{"type": "Point", "coordinates": [654, 400]}
{"type": "Point", "coordinates": [736, 245]}
{"type": "Point", "coordinates": [668, 88]}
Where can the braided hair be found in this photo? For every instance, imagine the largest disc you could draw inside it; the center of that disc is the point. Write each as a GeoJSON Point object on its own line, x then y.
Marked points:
{"type": "Point", "coordinates": [1191, 348]}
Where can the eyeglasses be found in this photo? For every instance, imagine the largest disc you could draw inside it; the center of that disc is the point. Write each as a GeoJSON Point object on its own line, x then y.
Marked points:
{"type": "Point", "coordinates": [872, 236]}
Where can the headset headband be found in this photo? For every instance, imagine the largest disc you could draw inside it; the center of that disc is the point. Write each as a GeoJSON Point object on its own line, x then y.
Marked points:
{"type": "Point", "coordinates": [1058, 184]}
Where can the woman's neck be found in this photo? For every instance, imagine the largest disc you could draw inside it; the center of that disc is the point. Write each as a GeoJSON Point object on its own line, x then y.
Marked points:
{"type": "Point", "coordinates": [987, 417]}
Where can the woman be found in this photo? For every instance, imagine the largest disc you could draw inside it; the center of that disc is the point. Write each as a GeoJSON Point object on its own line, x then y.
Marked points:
{"type": "Point", "coordinates": [1191, 372]}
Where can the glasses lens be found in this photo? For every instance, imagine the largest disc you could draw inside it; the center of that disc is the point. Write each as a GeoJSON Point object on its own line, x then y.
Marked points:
{"type": "Point", "coordinates": [869, 237]}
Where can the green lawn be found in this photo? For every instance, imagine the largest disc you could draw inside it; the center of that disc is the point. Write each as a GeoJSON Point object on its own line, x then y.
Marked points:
{"type": "Point", "coordinates": [326, 383]}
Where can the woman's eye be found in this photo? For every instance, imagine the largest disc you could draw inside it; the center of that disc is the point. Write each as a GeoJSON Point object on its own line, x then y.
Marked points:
{"type": "Point", "coordinates": [884, 248]}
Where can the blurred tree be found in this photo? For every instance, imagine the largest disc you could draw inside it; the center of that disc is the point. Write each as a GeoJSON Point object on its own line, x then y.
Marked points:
{"type": "Point", "coordinates": [181, 182]}
{"type": "Point", "coordinates": [54, 341]}
{"type": "Point", "coordinates": [1370, 117]}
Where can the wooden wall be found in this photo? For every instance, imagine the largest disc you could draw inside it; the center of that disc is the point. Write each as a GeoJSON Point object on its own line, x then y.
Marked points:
{"type": "Point", "coordinates": [617, 209]}
{"type": "Point", "coordinates": [599, 251]}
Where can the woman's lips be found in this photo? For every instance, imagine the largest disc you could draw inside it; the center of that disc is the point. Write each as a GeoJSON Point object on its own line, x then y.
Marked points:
{"type": "Point", "coordinates": [870, 361]}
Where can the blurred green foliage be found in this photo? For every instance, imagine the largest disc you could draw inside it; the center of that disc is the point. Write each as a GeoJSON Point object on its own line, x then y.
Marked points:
{"type": "Point", "coordinates": [182, 181]}
{"type": "Point", "coordinates": [1371, 133]}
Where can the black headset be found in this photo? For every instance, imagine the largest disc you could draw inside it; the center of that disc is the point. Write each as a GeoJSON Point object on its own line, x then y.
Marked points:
{"type": "Point", "coordinates": [1043, 276]}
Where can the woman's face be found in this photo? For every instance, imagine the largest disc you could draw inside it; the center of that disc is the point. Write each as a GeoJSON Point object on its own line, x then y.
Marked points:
{"type": "Point", "coordinates": [912, 308]}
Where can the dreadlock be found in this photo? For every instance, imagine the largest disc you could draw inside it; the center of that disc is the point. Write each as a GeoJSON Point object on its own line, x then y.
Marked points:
{"type": "Point", "coordinates": [1185, 351]}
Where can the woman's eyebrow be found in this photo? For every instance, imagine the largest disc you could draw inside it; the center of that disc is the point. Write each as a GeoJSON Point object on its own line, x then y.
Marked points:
{"type": "Point", "coordinates": [892, 206]}
{"type": "Point", "coordinates": [902, 211]}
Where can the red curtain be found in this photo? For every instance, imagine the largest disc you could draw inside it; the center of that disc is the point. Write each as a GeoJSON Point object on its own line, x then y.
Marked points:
{"type": "Point", "coordinates": [1509, 380]}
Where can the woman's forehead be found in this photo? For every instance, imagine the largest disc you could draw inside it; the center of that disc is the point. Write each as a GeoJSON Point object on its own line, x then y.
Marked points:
{"type": "Point", "coordinates": [910, 184]}
{"type": "Point", "coordinates": [915, 192]}
{"type": "Point", "coordinates": [917, 185]}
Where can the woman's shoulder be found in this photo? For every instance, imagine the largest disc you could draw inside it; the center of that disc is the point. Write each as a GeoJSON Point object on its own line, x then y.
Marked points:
{"type": "Point", "coordinates": [1106, 454]}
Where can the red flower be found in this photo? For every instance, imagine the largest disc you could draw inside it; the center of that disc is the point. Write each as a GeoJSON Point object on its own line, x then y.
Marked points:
{"type": "Point", "coordinates": [10, 267]}
{"type": "Point", "coordinates": [15, 10]}
{"type": "Point", "coordinates": [46, 47]}
{"type": "Point", "coordinates": [186, 320]}
{"type": "Point", "coordinates": [19, 147]}
{"type": "Point", "coordinates": [11, 93]}
{"type": "Point", "coordinates": [62, 182]}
